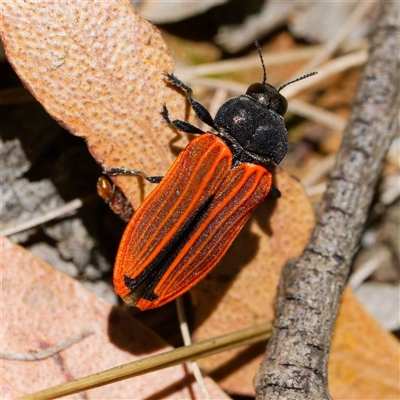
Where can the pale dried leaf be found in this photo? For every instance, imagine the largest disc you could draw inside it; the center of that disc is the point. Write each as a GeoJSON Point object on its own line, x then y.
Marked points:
{"type": "Point", "coordinates": [42, 307]}
{"type": "Point", "coordinates": [167, 11]}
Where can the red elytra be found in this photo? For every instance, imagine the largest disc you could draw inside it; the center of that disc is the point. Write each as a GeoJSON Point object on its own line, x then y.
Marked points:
{"type": "Point", "coordinates": [187, 223]}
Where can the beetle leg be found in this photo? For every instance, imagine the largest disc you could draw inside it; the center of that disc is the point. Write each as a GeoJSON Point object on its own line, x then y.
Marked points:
{"type": "Point", "coordinates": [179, 124]}
{"type": "Point", "coordinates": [201, 112]}
{"type": "Point", "coordinates": [123, 171]}
{"type": "Point", "coordinates": [113, 196]}
{"type": "Point", "coordinates": [173, 80]}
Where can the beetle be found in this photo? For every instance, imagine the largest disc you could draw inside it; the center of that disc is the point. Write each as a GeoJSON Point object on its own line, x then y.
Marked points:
{"type": "Point", "coordinates": [187, 223]}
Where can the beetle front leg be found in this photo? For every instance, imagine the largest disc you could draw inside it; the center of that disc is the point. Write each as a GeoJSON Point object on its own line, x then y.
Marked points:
{"type": "Point", "coordinates": [114, 197]}
{"type": "Point", "coordinates": [179, 124]}
{"type": "Point", "coordinates": [201, 112]}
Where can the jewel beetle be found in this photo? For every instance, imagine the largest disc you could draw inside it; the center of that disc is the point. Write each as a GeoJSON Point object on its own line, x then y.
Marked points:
{"type": "Point", "coordinates": [187, 223]}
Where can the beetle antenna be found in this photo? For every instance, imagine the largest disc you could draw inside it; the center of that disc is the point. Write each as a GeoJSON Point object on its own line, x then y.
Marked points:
{"type": "Point", "coordinates": [262, 61]}
{"type": "Point", "coordinates": [298, 79]}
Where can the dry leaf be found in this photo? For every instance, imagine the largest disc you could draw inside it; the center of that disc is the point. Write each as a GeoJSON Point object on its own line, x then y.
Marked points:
{"type": "Point", "coordinates": [381, 300]}
{"type": "Point", "coordinates": [97, 68]}
{"type": "Point", "coordinates": [364, 358]}
{"type": "Point", "coordinates": [42, 307]}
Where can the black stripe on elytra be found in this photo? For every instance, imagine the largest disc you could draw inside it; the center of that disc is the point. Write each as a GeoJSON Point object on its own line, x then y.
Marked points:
{"type": "Point", "coordinates": [151, 275]}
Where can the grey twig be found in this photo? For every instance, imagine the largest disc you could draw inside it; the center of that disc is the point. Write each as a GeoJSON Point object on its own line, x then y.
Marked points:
{"type": "Point", "coordinates": [295, 363]}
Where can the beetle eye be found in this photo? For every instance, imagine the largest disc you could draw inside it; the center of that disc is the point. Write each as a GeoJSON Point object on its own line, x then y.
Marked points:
{"type": "Point", "coordinates": [284, 104]}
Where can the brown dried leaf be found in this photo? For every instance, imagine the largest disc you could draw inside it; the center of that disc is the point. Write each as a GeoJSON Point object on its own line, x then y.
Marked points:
{"type": "Point", "coordinates": [42, 307]}
{"type": "Point", "coordinates": [364, 358]}
{"type": "Point", "coordinates": [240, 292]}
{"type": "Point", "coordinates": [97, 68]}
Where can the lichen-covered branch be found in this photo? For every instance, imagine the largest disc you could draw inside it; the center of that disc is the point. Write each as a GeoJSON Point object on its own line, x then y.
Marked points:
{"type": "Point", "coordinates": [295, 363]}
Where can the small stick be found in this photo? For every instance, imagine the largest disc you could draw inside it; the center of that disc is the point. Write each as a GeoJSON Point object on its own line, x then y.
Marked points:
{"type": "Point", "coordinates": [187, 342]}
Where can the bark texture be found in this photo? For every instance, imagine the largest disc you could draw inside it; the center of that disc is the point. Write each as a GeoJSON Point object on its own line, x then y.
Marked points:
{"type": "Point", "coordinates": [295, 363]}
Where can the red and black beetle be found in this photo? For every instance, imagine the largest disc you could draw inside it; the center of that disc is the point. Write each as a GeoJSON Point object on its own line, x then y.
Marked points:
{"type": "Point", "coordinates": [187, 223]}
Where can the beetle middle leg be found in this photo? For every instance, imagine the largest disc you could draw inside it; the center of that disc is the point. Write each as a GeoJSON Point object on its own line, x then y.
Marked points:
{"type": "Point", "coordinates": [124, 171]}
{"type": "Point", "coordinates": [114, 197]}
